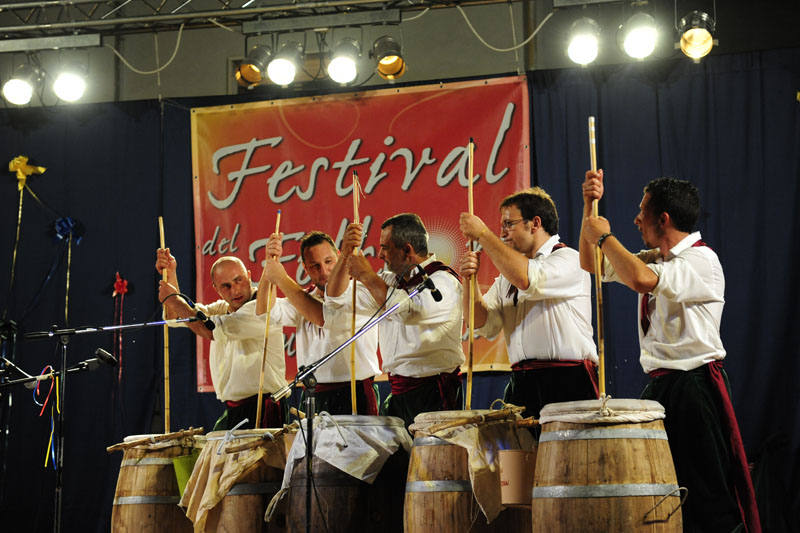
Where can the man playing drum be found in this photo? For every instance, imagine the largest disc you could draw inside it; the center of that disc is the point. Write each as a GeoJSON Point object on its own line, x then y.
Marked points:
{"type": "Point", "coordinates": [421, 341]}
{"type": "Point", "coordinates": [541, 301]}
{"type": "Point", "coordinates": [681, 294]}
{"type": "Point", "coordinates": [319, 330]}
{"type": "Point", "coordinates": [237, 341]}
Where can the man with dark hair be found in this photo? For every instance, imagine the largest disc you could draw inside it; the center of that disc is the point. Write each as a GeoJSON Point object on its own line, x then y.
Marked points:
{"type": "Point", "coordinates": [681, 295]}
{"type": "Point", "coordinates": [541, 301]}
{"type": "Point", "coordinates": [237, 341]}
{"type": "Point", "coordinates": [421, 341]}
{"type": "Point", "coordinates": [319, 330]}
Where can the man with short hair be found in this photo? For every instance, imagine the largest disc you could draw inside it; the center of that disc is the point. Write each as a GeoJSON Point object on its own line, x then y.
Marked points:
{"type": "Point", "coordinates": [237, 341]}
{"type": "Point", "coordinates": [681, 289]}
{"type": "Point", "coordinates": [421, 341]}
{"type": "Point", "coordinates": [319, 330]}
{"type": "Point", "coordinates": [541, 301]}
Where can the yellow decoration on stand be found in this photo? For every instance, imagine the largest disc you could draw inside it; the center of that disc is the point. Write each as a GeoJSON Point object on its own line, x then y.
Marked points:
{"type": "Point", "coordinates": [20, 165]}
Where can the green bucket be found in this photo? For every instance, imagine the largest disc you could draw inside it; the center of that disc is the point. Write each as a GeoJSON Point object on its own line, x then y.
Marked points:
{"type": "Point", "coordinates": [184, 465]}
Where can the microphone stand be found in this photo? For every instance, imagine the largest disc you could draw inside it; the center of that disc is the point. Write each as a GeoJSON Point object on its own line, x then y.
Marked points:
{"type": "Point", "coordinates": [8, 348]}
{"type": "Point", "coordinates": [64, 335]}
{"type": "Point", "coordinates": [305, 375]}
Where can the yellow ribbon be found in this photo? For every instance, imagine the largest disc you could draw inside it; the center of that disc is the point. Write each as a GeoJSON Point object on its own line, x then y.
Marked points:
{"type": "Point", "coordinates": [20, 165]}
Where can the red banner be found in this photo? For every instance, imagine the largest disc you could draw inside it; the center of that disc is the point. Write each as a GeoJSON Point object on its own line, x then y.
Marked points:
{"type": "Point", "coordinates": [409, 147]}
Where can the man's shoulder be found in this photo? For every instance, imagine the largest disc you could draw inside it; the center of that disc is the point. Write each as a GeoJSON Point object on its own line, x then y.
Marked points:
{"type": "Point", "coordinates": [218, 307]}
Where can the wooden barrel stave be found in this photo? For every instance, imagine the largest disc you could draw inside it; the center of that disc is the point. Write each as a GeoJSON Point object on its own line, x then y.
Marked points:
{"type": "Point", "coordinates": [146, 497]}
{"type": "Point", "coordinates": [629, 466]}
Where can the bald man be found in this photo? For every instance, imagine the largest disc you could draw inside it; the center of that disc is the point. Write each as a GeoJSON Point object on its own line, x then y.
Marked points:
{"type": "Point", "coordinates": [237, 341]}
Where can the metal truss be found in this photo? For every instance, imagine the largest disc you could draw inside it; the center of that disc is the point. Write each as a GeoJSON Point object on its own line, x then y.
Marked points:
{"type": "Point", "coordinates": [58, 18]}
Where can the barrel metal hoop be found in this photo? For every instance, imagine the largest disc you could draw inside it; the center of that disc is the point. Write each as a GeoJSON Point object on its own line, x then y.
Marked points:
{"type": "Point", "coordinates": [602, 433]}
{"type": "Point", "coordinates": [327, 481]}
{"type": "Point", "coordinates": [241, 489]}
{"type": "Point", "coordinates": [604, 491]}
{"type": "Point", "coordinates": [430, 441]}
{"type": "Point", "coordinates": [439, 486]}
{"type": "Point", "coordinates": [148, 461]}
{"type": "Point", "coordinates": [141, 500]}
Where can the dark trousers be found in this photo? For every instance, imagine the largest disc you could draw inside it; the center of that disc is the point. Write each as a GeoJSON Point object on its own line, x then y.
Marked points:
{"type": "Point", "coordinates": [339, 402]}
{"type": "Point", "coordinates": [699, 448]}
{"type": "Point", "coordinates": [273, 415]}
{"type": "Point", "coordinates": [536, 388]}
{"type": "Point", "coordinates": [423, 399]}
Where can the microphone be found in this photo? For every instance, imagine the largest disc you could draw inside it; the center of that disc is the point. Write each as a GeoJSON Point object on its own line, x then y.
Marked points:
{"type": "Point", "coordinates": [428, 283]}
{"type": "Point", "coordinates": [105, 357]}
{"type": "Point", "coordinates": [201, 316]}
{"type": "Point", "coordinates": [207, 322]}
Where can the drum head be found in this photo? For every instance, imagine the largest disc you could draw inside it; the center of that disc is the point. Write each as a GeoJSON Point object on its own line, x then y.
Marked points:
{"type": "Point", "coordinates": [447, 416]}
{"type": "Point", "coordinates": [615, 404]}
{"type": "Point", "coordinates": [359, 420]}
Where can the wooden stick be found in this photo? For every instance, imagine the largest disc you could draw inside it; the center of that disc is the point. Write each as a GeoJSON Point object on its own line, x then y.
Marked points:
{"type": "Point", "coordinates": [527, 422]}
{"type": "Point", "coordinates": [356, 220]}
{"type": "Point", "coordinates": [598, 271]}
{"type": "Point", "coordinates": [471, 314]}
{"type": "Point", "coordinates": [500, 414]}
{"type": "Point", "coordinates": [166, 338]}
{"type": "Point", "coordinates": [260, 441]}
{"type": "Point", "coordinates": [266, 338]}
{"type": "Point", "coordinates": [155, 438]}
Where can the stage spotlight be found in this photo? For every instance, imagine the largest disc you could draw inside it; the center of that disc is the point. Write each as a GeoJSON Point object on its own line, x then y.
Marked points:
{"type": "Point", "coordinates": [695, 31]}
{"type": "Point", "coordinates": [283, 69]}
{"type": "Point", "coordinates": [250, 71]}
{"type": "Point", "coordinates": [639, 36]}
{"type": "Point", "coordinates": [19, 89]}
{"type": "Point", "coordinates": [583, 41]}
{"type": "Point", "coordinates": [70, 83]}
{"type": "Point", "coordinates": [342, 68]}
{"type": "Point", "coordinates": [388, 57]}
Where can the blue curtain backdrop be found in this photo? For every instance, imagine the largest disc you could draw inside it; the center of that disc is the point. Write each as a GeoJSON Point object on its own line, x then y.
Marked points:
{"type": "Point", "coordinates": [730, 124]}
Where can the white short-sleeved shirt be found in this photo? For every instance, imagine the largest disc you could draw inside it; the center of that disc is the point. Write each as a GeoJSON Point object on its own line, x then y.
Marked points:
{"type": "Point", "coordinates": [685, 307]}
{"type": "Point", "coordinates": [551, 320]}
{"type": "Point", "coordinates": [314, 342]}
{"type": "Point", "coordinates": [237, 350]}
{"type": "Point", "coordinates": [422, 337]}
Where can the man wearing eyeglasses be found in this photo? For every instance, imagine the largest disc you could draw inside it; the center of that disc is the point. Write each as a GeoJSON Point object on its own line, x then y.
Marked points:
{"type": "Point", "coordinates": [541, 301]}
{"type": "Point", "coordinates": [320, 330]}
{"type": "Point", "coordinates": [421, 341]}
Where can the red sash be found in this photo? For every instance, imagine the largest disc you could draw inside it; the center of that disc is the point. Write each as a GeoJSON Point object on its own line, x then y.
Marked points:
{"type": "Point", "coordinates": [743, 483]}
{"type": "Point", "coordinates": [430, 268]}
{"type": "Point", "coordinates": [447, 381]}
{"type": "Point", "coordinates": [536, 364]}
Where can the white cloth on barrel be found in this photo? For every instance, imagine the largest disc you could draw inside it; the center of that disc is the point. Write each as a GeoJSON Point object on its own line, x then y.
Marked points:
{"type": "Point", "coordinates": [482, 441]}
{"type": "Point", "coordinates": [215, 474]}
{"type": "Point", "coordinates": [358, 445]}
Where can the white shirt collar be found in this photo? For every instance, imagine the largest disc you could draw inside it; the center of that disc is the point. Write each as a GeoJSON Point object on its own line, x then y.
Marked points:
{"type": "Point", "coordinates": [685, 243]}
{"type": "Point", "coordinates": [547, 248]}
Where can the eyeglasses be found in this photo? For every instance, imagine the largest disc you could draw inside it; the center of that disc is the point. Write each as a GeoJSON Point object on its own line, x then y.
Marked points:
{"type": "Point", "coordinates": [508, 224]}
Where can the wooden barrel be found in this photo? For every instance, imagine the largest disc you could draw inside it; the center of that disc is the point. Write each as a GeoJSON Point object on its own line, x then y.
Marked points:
{"type": "Point", "coordinates": [343, 503]}
{"type": "Point", "coordinates": [146, 497]}
{"type": "Point", "coordinates": [605, 473]}
{"type": "Point", "coordinates": [439, 494]}
{"type": "Point", "coordinates": [243, 507]}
